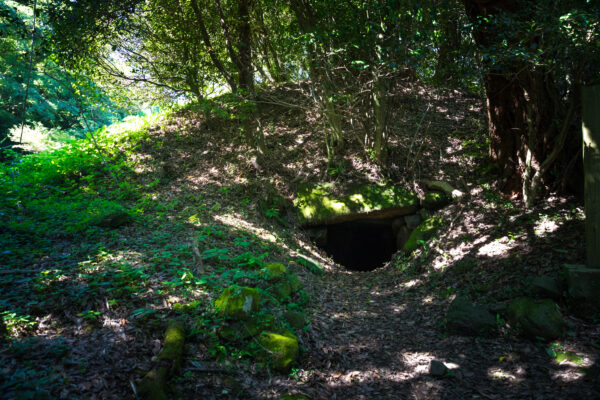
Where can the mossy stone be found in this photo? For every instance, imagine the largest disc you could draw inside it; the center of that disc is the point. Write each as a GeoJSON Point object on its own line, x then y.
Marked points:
{"type": "Point", "coordinates": [322, 202]}
{"type": "Point", "coordinates": [287, 287]}
{"type": "Point", "coordinates": [283, 290]}
{"type": "Point", "coordinates": [465, 317]}
{"type": "Point", "coordinates": [114, 219]}
{"type": "Point", "coordinates": [154, 384]}
{"type": "Point", "coordinates": [295, 319]}
{"type": "Point", "coordinates": [424, 231]}
{"type": "Point", "coordinates": [173, 344]}
{"type": "Point", "coordinates": [435, 200]}
{"type": "Point", "coordinates": [186, 308]}
{"type": "Point", "coordinates": [537, 319]}
{"type": "Point", "coordinates": [237, 331]}
{"type": "Point", "coordinates": [279, 350]}
{"type": "Point", "coordinates": [295, 283]}
{"type": "Point", "coordinates": [274, 272]}
{"type": "Point", "coordinates": [238, 302]}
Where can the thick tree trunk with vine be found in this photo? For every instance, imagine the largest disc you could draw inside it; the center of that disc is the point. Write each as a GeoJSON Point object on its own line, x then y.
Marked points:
{"type": "Point", "coordinates": [530, 133]}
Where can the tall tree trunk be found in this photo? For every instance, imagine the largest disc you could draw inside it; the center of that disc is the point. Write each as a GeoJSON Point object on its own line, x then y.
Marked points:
{"type": "Point", "coordinates": [591, 159]}
{"type": "Point", "coordinates": [211, 51]}
{"type": "Point", "coordinates": [528, 126]}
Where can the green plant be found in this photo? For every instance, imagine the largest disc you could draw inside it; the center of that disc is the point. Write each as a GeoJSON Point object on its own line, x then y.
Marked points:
{"type": "Point", "coordinates": [294, 374]}
{"type": "Point", "coordinates": [16, 323]}
{"type": "Point", "coordinates": [89, 315]}
{"type": "Point", "coordinates": [272, 212]}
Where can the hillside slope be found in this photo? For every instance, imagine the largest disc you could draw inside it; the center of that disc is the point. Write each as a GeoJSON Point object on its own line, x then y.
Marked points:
{"type": "Point", "coordinates": [92, 272]}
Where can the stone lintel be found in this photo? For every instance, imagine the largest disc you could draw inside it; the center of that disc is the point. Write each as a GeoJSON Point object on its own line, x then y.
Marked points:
{"type": "Point", "coordinates": [390, 212]}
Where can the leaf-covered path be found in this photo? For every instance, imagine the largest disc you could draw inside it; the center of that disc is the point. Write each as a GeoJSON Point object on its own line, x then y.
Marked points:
{"type": "Point", "coordinates": [374, 335]}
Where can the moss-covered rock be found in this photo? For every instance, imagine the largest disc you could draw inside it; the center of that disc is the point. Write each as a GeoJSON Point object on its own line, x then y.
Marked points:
{"type": "Point", "coordinates": [323, 203]}
{"type": "Point", "coordinates": [274, 272]}
{"type": "Point", "coordinates": [238, 302]}
{"type": "Point", "coordinates": [537, 319]}
{"type": "Point", "coordinates": [237, 331]}
{"type": "Point", "coordinates": [295, 282]}
{"type": "Point", "coordinates": [279, 350]}
{"type": "Point", "coordinates": [467, 318]}
{"type": "Point", "coordinates": [287, 287]}
{"type": "Point", "coordinates": [424, 231]}
{"type": "Point", "coordinates": [113, 219]}
{"type": "Point", "coordinates": [187, 308]}
{"type": "Point", "coordinates": [435, 200]}
{"type": "Point", "coordinates": [295, 319]}
{"type": "Point", "coordinates": [154, 384]}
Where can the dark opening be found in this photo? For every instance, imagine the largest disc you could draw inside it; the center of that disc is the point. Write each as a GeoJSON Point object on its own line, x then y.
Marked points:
{"type": "Point", "coordinates": [358, 245]}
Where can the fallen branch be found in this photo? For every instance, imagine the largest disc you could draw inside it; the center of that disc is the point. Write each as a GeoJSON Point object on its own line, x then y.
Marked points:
{"type": "Point", "coordinates": [199, 267]}
{"type": "Point", "coordinates": [154, 385]}
{"type": "Point", "coordinates": [445, 187]}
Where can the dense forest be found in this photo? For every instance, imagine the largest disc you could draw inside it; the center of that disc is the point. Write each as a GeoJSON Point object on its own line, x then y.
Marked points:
{"type": "Point", "coordinates": [299, 199]}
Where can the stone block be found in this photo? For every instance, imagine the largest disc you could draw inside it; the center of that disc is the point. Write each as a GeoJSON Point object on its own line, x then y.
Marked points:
{"type": "Point", "coordinates": [583, 284]}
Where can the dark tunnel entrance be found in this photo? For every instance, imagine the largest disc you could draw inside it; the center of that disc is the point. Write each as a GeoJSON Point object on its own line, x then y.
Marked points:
{"type": "Point", "coordinates": [361, 245]}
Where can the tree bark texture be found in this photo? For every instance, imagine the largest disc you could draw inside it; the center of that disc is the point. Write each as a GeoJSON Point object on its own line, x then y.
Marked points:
{"type": "Point", "coordinates": [526, 114]}
{"type": "Point", "coordinates": [591, 160]}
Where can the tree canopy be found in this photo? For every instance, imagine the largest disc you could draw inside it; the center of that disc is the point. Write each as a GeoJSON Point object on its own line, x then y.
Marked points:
{"type": "Point", "coordinates": [529, 57]}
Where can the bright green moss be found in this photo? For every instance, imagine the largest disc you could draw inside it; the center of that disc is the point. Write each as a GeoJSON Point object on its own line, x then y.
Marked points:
{"type": "Point", "coordinates": [424, 231]}
{"type": "Point", "coordinates": [537, 319]}
{"type": "Point", "coordinates": [280, 350]}
{"type": "Point", "coordinates": [174, 341]}
{"type": "Point", "coordinates": [315, 203]}
{"type": "Point", "coordinates": [435, 200]}
{"type": "Point", "coordinates": [238, 302]}
{"type": "Point", "coordinates": [274, 272]}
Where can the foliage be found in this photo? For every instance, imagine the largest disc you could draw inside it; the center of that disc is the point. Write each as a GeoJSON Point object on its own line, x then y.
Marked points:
{"type": "Point", "coordinates": [60, 103]}
{"type": "Point", "coordinates": [62, 192]}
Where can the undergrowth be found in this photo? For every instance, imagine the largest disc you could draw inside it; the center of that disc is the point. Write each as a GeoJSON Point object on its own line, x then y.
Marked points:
{"type": "Point", "coordinates": [64, 265]}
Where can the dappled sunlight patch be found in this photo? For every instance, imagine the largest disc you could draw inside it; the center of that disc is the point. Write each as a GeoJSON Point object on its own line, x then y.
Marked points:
{"type": "Point", "coordinates": [398, 308]}
{"type": "Point", "coordinates": [516, 375]}
{"type": "Point", "coordinates": [497, 248]}
{"type": "Point", "coordinates": [237, 221]}
{"type": "Point", "coordinates": [545, 225]}
{"type": "Point", "coordinates": [411, 283]}
{"type": "Point", "coordinates": [115, 324]}
{"type": "Point", "coordinates": [417, 363]}
{"type": "Point", "coordinates": [427, 300]}
{"type": "Point", "coordinates": [568, 375]}
{"type": "Point", "coordinates": [133, 124]}
{"type": "Point", "coordinates": [37, 138]}
{"type": "Point", "coordinates": [353, 377]}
